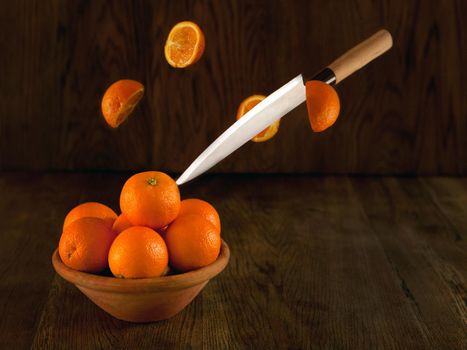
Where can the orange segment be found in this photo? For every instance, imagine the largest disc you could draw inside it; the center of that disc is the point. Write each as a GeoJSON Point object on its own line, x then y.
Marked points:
{"type": "Point", "coordinates": [323, 105]}
{"type": "Point", "coordinates": [119, 101]}
{"type": "Point", "coordinates": [248, 104]}
{"type": "Point", "coordinates": [185, 44]}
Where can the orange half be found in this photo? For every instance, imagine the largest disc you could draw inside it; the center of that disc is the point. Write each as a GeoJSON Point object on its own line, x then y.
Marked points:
{"type": "Point", "coordinates": [119, 101]}
{"type": "Point", "coordinates": [248, 104]}
{"type": "Point", "coordinates": [323, 105]}
{"type": "Point", "coordinates": [185, 44]}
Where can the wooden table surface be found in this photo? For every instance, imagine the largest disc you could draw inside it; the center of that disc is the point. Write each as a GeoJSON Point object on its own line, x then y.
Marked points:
{"type": "Point", "coordinates": [317, 262]}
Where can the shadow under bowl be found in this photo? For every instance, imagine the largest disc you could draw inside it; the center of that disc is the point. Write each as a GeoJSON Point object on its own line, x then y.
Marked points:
{"type": "Point", "coordinates": [145, 299]}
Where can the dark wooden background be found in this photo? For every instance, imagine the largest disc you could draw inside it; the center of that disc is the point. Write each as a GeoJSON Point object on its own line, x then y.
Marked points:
{"type": "Point", "coordinates": [405, 113]}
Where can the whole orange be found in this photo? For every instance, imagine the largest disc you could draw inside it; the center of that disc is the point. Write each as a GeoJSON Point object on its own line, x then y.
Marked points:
{"type": "Point", "coordinates": [193, 242]}
{"type": "Point", "coordinates": [85, 243]}
{"type": "Point", "coordinates": [121, 224]}
{"type": "Point", "coordinates": [138, 252]}
{"type": "Point", "coordinates": [91, 209]}
{"type": "Point", "coordinates": [150, 199]}
{"type": "Point", "coordinates": [203, 208]}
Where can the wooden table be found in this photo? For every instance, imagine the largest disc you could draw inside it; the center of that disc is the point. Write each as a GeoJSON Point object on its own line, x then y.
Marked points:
{"type": "Point", "coordinates": [317, 262]}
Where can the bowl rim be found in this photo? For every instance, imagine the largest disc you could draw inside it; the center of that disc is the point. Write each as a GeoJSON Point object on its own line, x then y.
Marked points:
{"type": "Point", "coordinates": [117, 285]}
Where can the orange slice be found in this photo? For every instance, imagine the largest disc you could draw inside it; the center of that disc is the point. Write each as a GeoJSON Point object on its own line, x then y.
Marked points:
{"type": "Point", "coordinates": [119, 101]}
{"type": "Point", "coordinates": [248, 104]}
{"type": "Point", "coordinates": [184, 45]}
{"type": "Point", "coordinates": [323, 105]}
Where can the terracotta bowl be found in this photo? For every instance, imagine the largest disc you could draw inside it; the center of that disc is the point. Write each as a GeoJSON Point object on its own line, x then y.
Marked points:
{"type": "Point", "coordinates": [146, 299]}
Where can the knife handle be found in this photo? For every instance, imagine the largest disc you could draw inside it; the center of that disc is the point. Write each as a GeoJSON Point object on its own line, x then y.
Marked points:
{"type": "Point", "coordinates": [356, 58]}
{"type": "Point", "coordinates": [362, 54]}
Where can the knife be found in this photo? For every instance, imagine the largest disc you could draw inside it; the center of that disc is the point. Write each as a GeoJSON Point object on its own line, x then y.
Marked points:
{"type": "Point", "coordinates": [282, 101]}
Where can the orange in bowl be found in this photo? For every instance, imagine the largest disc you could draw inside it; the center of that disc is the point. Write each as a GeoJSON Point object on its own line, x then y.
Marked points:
{"type": "Point", "coordinates": [203, 208]}
{"type": "Point", "coordinates": [138, 252]}
{"type": "Point", "coordinates": [85, 243]}
{"type": "Point", "coordinates": [185, 44]}
{"type": "Point", "coordinates": [91, 209]}
{"type": "Point", "coordinates": [151, 199]}
{"type": "Point", "coordinates": [246, 106]}
{"type": "Point", "coordinates": [121, 224]}
{"type": "Point", "coordinates": [119, 101]}
{"type": "Point", "coordinates": [192, 242]}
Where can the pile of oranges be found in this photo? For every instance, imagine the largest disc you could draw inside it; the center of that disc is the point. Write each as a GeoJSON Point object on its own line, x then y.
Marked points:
{"type": "Point", "coordinates": [155, 233]}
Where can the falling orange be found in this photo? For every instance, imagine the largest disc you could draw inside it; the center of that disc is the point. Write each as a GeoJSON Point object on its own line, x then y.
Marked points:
{"type": "Point", "coordinates": [323, 105]}
{"type": "Point", "coordinates": [185, 44]}
{"type": "Point", "coordinates": [119, 101]}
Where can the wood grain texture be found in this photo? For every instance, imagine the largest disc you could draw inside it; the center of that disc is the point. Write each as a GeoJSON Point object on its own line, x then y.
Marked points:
{"type": "Point", "coordinates": [418, 241]}
{"type": "Point", "coordinates": [404, 113]}
{"type": "Point", "coordinates": [317, 262]}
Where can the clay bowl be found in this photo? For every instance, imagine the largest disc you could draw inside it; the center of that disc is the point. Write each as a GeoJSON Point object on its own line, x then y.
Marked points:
{"type": "Point", "coordinates": [146, 299]}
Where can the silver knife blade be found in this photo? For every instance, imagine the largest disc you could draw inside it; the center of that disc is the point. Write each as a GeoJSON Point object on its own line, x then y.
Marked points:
{"type": "Point", "coordinates": [273, 107]}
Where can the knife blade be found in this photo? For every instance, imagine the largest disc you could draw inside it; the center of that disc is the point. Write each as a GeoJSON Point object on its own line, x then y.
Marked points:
{"type": "Point", "coordinates": [282, 101]}
{"type": "Point", "coordinates": [273, 107]}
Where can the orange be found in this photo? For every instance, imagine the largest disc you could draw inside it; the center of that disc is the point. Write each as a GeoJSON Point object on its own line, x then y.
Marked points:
{"type": "Point", "coordinates": [85, 243]}
{"type": "Point", "coordinates": [248, 104]}
{"type": "Point", "coordinates": [138, 252]}
{"type": "Point", "coordinates": [193, 242]}
{"type": "Point", "coordinates": [203, 208]}
{"type": "Point", "coordinates": [184, 45]}
{"type": "Point", "coordinates": [121, 224]}
{"type": "Point", "coordinates": [91, 209]}
{"type": "Point", "coordinates": [150, 199]}
{"type": "Point", "coordinates": [119, 101]}
{"type": "Point", "coordinates": [323, 105]}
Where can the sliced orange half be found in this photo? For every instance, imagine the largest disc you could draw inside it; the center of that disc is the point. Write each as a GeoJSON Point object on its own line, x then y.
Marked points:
{"type": "Point", "coordinates": [323, 105]}
{"type": "Point", "coordinates": [248, 104]}
{"type": "Point", "coordinates": [119, 101]}
{"type": "Point", "coordinates": [184, 45]}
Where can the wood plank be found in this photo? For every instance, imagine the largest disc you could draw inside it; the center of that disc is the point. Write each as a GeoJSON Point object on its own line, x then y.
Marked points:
{"type": "Point", "coordinates": [29, 233]}
{"type": "Point", "coordinates": [429, 259]}
{"type": "Point", "coordinates": [449, 196]}
{"type": "Point", "coordinates": [405, 113]}
{"type": "Point", "coordinates": [355, 283]}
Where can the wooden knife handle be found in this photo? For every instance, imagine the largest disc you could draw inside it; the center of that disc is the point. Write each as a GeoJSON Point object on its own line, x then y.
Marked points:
{"type": "Point", "coordinates": [360, 55]}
